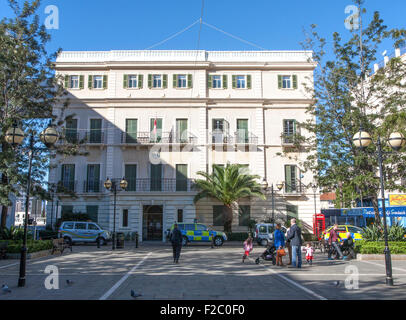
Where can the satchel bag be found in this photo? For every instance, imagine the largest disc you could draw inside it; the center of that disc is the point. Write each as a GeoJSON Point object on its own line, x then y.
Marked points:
{"type": "Point", "coordinates": [281, 252]}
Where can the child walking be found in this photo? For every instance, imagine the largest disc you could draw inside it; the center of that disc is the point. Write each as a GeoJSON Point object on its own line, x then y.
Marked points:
{"type": "Point", "coordinates": [309, 253]}
{"type": "Point", "coordinates": [247, 248]}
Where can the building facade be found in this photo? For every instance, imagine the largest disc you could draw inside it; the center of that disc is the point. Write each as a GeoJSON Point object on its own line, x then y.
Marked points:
{"type": "Point", "coordinates": [158, 117]}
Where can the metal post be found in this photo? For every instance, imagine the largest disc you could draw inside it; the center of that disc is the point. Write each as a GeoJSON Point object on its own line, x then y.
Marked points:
{"type": "Point", "coordinates": [315, 217]}
{"type": "Point", "coordinates": [273, 206]}
{"type": "Point", "coordinates": [114, 219]}
{"type": "Point", "coordinates": [23, 258]}
{"type": "Point", "coordinates": [388, 262]}
{"type": "Point", "coordinates": [52, 210]}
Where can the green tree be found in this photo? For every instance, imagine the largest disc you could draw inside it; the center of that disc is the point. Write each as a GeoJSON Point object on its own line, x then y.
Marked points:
{"type": "Point", "coordinates": [228, 185]}
{"type": "Point", "coordinates": [28, 92]}
{"type": "Point", "coordinates": [348, 95]}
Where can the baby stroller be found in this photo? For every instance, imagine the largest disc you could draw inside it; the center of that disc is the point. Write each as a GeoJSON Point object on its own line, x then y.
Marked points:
{"type": "Point", "coordinates": [268, 255]}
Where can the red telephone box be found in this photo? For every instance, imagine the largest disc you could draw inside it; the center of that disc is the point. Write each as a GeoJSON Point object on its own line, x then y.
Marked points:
{"type": "Point", "coordinates": [319, 225]}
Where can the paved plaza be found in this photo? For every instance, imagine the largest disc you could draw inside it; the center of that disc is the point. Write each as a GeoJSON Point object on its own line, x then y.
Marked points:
{"type": "Point", "coordinates": [203, 274]}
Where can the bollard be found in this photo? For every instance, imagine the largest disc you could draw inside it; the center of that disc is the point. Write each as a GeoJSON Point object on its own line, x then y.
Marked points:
{"type": "Point", "coordinates": [136, 239]}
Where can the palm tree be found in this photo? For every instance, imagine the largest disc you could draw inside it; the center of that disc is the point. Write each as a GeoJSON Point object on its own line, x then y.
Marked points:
{"type": "Point", "coordinates": [228, 185]}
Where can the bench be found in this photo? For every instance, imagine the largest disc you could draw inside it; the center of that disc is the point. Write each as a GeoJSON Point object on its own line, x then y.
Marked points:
{"type": "Point", "coordinates": [60, 245]}
{"type": "Point", "coordinates": [3, 250]}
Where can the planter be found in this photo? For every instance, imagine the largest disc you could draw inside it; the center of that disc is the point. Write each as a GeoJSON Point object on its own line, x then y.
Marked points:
{"type": "Point", "coordinates": [33, 255]}
{"type": "Point", "coordinates": [380, 257]}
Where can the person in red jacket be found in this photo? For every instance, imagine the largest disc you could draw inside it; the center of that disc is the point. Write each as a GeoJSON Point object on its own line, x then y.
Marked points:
{"type": "Point", "coordinates": [333, 242]}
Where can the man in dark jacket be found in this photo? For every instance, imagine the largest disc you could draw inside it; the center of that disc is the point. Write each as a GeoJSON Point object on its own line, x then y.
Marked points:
{"type": "Point", "coordinates": [176, 239]}
{"type": "Point", "coordinates": [295, 237]}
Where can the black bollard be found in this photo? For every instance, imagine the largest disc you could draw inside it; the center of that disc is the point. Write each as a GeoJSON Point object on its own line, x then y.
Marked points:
{"type": "Point", "coordinates": [136, 239]}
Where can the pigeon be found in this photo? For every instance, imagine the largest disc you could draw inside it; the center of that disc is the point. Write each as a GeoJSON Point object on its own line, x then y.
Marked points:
{"type": "Point", "coordinates": [135, 295]}
{"type": "Point", "coordinates": [5, 288]}
{"type": "Point", "coordinates": [69, 282]}
{"type": "Point", "coordinates": [336, 283]}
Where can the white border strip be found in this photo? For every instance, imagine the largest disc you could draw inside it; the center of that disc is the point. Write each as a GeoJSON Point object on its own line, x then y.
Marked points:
{"type": "Point", "coordinates": [114, 288]}
{"type": "Point", "coordinates": [9, 265]}
{"type": "Point", "coordinates": [295, 283]}
{"type": "Point", "coordinates": [382, 265]}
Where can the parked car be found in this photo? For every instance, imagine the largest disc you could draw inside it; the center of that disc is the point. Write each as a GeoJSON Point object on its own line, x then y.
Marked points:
{"type": "Point", "coordinates": [197, 232]}
{"type": "Point", "coordinates": [356, 232]}
{"type": "Point", "coordinates": [81, 231]}
{"type": "Point", "coordinates": [264, 233]}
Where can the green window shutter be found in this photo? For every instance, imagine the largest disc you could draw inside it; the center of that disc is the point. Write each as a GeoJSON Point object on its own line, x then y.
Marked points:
{"type": "Point", "coordinates": [90, 82]}
{"type": "Point", "coordinates": [131, 176]}
{"type": "Point", "coordinates": [131, 130]}
{"type": "Point", "coordinates": [140, 81]}
{"type": "Point", "coordinates": [279, 82]}
{"type": "Point", "coordinates": [66, 81]}
{"type": "Point", "coordinates": [242, 130]}
{"type": "Point", "coordinates": [104, 82]}
{"type": "Point", "coordinates": [189, 81]}
{"type": "Point", "coordinates": [181, 127]}
{"type": "Point", "coordinates": [156, 177]}
{"type": "Point", "coordinates": [164, 81]}
{"type": "Point", "coordinates": [150, 81]}
{"type": "Point", "coordinates": [210, 81]}
{"type": "Point", "coordinates": [249, 81]}
{"type": "Point", "coordinates": [81, 82]}
{"type": "Point", "coordinates": [294, 80]}
{"type": "Point", "coordinates": [225, 85]}
{"type": "Point", "coordinates": [175, 80]}
{"type": "Point", "coordinates": [125, 81]}
{"type": "Point", "coordinates": [181, 177]}
{"type": "Point", "coordinates": [234, 78]}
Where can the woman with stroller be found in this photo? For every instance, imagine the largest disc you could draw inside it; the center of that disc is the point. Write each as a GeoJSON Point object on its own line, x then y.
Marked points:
{"type": "Point", "coordinates": [279, 243]}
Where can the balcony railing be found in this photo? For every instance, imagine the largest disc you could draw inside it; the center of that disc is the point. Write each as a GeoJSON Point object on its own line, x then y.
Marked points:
{"type": "Point", "coordinates": [295, 187]}
{"type": "Point", "coordinates": [221, 137]}
{"type": "Point", "coordinates": [160, 137]}
{"type": "Point", "coordinates": [82, 136]}
{"type": "Point", "coordinates": [66, 186]}
{"type": "Point", "coordinates": [160, 185]}
{"type": "Point", "coordinates": [93, 186]}
{"type": "Point", "coordinates": [94, 137]}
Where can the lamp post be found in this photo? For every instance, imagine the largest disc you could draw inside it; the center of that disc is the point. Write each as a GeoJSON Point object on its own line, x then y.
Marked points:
{"type": "Point", "coordinates": [15, 137]}
{"type": "Point", "coordinates": [112, 186]}
{"type": "Point", "coordinates": [279, 185]}
{"type": "Point", "coordinates": [396, 141]}
{"type": "Point", "coordinates": [314, 187]}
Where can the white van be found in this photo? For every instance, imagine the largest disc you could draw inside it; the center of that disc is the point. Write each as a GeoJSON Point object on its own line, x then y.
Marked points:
{"type": "Point", "coordinates": [264, 233]}
{"type": "Point", "coordinates": [82, 231]}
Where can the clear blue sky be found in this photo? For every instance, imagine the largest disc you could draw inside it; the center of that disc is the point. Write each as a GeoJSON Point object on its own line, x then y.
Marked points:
{"type": "Point", "coordinates": [135, 24]}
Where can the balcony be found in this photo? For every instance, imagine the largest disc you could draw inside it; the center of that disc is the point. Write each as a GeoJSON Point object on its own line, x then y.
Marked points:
{"type": "Point", "coordinates": [93, 186]}
{"type": "Point", "coordinates": [149, 138]}
{"type": "Point", "coordinates": [294, 188]}
{"type": "Point", "coordinates": [160, 185]}
{"type": "Point", "coordinates": [66, 186]}
{"type": "Point", "coordinates": [237, 140]}
{"type": "Point", "coordinates": [87, 137]}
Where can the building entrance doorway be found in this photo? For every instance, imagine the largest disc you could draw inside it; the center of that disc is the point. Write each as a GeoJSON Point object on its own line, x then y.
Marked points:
{"type": "Point", "coordinates": [152, 223]}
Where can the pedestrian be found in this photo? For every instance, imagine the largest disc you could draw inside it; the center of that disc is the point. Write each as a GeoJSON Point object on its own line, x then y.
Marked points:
{"type": "Point", "coordinates": [248, 247]}
{"type": "Point", "coordinates": [295, 237]}
{"type": "Point", "coordinates": [349, 244]}
{"type": "Point", "coordinates": [279, 243]}
{"type": "Point", "coordinates": [309, 253]}
{"type": "Point", "coordinates": [176, 239]}
{"type": "Point", "coordinates": [333, 242]}
{"type": "Point", "coordinates": [288, 246]}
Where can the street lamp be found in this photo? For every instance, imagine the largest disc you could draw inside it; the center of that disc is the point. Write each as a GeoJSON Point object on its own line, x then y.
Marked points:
{"type": "Point", "coordinates": [396, 141]}
{"type": "Point", "coordinates": [279, 185]}
{"type": "Point", "coordinates": [314, 187]}
{"type": "Point", "coordinates": [112, 186]}
{"type": "Point", "coordinates": [15, 137]}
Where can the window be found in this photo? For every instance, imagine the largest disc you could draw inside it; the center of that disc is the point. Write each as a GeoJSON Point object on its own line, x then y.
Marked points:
{"type": "Point", "coordinates": [71, 132]}
{"type": "Point", "coordinates": [95, 135]}
{"type": "Point", "coordinates": [181, 131]}
{"type": "Point", "coordinates": [217, 82]}
{"type": "Point", "coordinates": [289, 130]}
{"type": "Point", "coordinates": [291, 212]}
{"type": "Point", "coordinates": [287, 81]}
{"type": "Point", "coordinates": [218, 216]}
{"type": "Point", "coordinates": [290, 179]}
{"type": "Point", "coordinates": [201, 227]}
{"type": "Point", "coordinates": [263, 229]}
{"type": "Point", "coordinates": [189, 227]}
{"type": "Point", "coordinates": [68, 177]}
{"type": "Point", "coordinates": [242, 130]}
{"type": "Point", "coordinates": [157, 81]}
{"type": "Point", "coordinates": [68, 225]}
{"type": "Point", "coordinates": [132, 81]}
{"type": "Point", "coordinates": [97, 82]}
{"type": "Point", "coordinates": [93, 178]}
{"type": "Point", "coordinates": [181, 177]}
{"type": "Point", "coordinates": [180, 215]}
{"type": "Point", "coordinates": [130, 175]}
{"type": "Point", "coordinates": [66, 210]}
{"type": "Point", "coordinates": [156, 130]}
{"type": "Point", "coordinates": [74, 82]}
{"type": "Point", "coordinates": [92, 212]}
{"type": "Point", "coordinates": [131, 130]}
{"type": "Point", "coordinates": [80, 226]}
{"type": "Point", "coordinates": [182, 81]}
{"type": "Point", "coordinates": [156, 177]}
{"type": "Point", "coordinates": [92, 226]}
{"type": "Point", "coordinates": [125, 218]}
{"type": "Point", "coordinates": [244, 215]}
{"type": "Point", "coordinates": [241, 82]}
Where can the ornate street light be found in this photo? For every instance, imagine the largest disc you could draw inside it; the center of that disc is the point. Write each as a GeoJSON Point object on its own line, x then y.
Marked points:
{"type": "Point", "coordinates": [279, 185]}
{"type": "Point", "coordinates": [113, 187]}
{"type": "Point", "coordinates": [15, 137]}
{"type": "Point", "coordinates": [396, 141]}
{"type": "Point", "coordinates": [314, 187]}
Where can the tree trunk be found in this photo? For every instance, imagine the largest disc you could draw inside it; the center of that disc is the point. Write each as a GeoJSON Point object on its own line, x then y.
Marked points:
{"type": "Point", "coordinates": [228, 218]}
{"type": "Point", "coordinates": [375, 204]}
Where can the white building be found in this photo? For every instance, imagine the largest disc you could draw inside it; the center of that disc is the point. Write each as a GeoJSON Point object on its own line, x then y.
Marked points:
{"type": "Point", "coordinates": [158, 117]}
